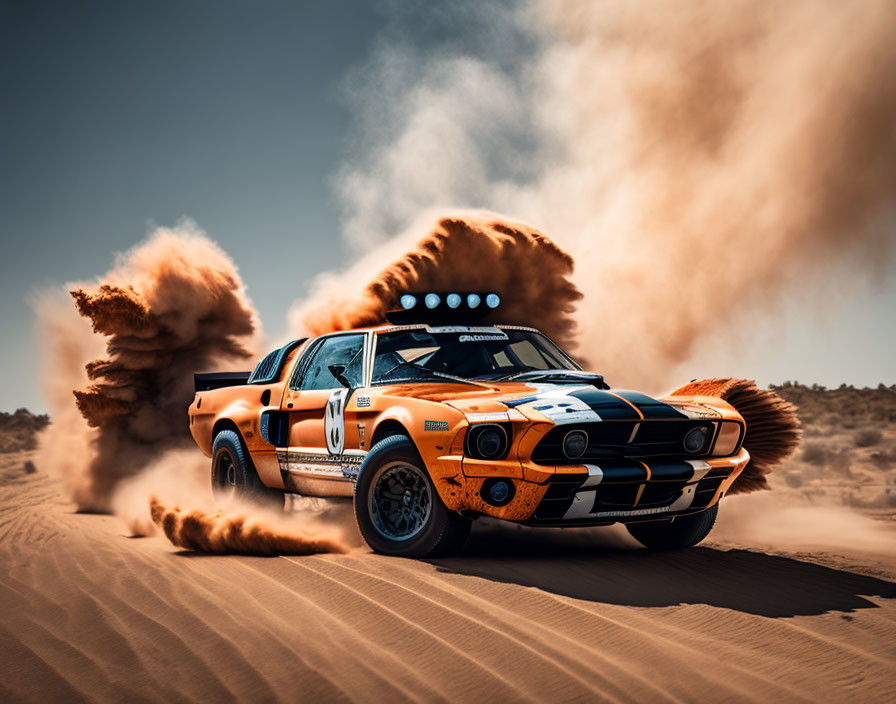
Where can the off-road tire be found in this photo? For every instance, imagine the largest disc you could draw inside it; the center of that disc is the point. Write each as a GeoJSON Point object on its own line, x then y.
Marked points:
{"type": "Point", "coordinates": [234, 475]}
{"type": "Point", "coordinates": [443, 532]}
{"type": "Point", "coordinates": [674, 534]}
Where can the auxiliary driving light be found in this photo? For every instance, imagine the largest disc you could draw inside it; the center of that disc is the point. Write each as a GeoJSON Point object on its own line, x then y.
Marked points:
{"type": "Point", "coordinates": [497, 492]}
{"type": "Point", "coordinates": [575, 443]}
{"type": "Point", "coordinates": [473, 300]}
{"type": "Point", "coordinates": [492, 300]}
{"type": "Point", "coordinates": [453, 300]}
{"type": "Point", "coordinates": [432, 300]}
{"type": "Point", "coordinates": [408, 301]}
{"type": "Point", "coordinates": [695, 439]}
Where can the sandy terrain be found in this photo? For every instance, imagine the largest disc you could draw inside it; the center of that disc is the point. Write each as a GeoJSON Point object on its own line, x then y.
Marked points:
{"type": "Point", "coordinates": [89, 613]}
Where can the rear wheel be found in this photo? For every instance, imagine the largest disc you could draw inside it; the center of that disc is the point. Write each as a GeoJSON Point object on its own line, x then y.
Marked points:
{"type": "Point", "coordinates": [674, 533]}
{"type": "Point", "coordinates": [397, 507]}
{"type": "Point", "coordinates": [234, 476]}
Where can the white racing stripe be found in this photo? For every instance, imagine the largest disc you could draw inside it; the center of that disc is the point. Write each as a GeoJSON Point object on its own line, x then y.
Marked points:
{"type": "Point", "coordinates": [583, 501]}
{"type": "Point", "coordinates": [554, 401]}
{"type": "Point", "coordinates": [595, 475]}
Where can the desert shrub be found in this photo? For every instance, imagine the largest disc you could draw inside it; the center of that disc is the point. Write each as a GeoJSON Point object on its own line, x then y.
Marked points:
{"type": "Point", "coordinates": [867, 437]}
{"type": "Point", "coordinates": [884, 459]}
{"type": "Point", "coordinates": [815, 453]}
{"type": "Point", "coordinates": [833, 421]}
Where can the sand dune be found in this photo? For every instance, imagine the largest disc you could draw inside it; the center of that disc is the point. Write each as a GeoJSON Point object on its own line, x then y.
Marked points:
{"type": "Point", "coordinates": [88, 613]}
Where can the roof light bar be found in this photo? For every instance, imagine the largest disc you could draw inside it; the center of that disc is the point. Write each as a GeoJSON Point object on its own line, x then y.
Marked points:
{"type": "Point", "coordinates": [443, 307]}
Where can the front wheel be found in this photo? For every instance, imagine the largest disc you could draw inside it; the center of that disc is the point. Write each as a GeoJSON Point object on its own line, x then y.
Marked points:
{"type": "Point", "coordinates": [397, 507]}
{"type": "Point", "coordinates": [674, 533]}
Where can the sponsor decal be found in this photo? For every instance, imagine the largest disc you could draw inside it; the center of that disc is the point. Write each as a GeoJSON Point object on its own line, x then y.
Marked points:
{"type": "Point", "coordinates": [500, 336]}
{"type": "Point", "coordinates": [350, 471]}
{"type": "Point", "coordinates": [435, 425]}
{"type": "Point", "coordinates": [362, 401]}
{"type": "Point", "coordinates": [339, 466]}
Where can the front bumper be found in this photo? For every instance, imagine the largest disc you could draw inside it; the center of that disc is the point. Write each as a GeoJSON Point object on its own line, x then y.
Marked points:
{"type": "Point", "coordinates": [624, 491]}
{"type": "Point", "coordinates": [633, 491]}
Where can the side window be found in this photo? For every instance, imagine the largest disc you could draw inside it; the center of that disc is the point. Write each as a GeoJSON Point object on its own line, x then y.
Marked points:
{"type": "Point", "coordinates": [347, 350]}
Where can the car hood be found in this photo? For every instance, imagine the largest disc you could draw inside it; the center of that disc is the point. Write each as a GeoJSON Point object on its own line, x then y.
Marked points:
{"type": "Point", "coordinates": [560, 403]}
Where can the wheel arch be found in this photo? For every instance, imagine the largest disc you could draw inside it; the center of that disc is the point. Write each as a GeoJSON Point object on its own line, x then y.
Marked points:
{"type": "Point", "coordinates": [387, 427]}
{"type": "Point", "coordinates": [226, 424]}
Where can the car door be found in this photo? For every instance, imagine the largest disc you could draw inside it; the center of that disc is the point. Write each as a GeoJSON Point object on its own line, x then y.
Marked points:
{"type": "Point", "coordinates": [315, 402]}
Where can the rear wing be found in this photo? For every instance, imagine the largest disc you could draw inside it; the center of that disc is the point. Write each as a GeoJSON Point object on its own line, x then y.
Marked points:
{"type": "Point", "coordinates": [207, 381]}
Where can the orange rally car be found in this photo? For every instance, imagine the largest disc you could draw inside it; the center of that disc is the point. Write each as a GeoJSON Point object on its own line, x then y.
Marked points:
{"type": "Point", "coordinates": [429, 423]}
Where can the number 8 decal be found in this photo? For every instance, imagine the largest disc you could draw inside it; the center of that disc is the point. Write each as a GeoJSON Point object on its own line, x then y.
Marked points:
{"type": "Point", "coordinates": [334, 423]}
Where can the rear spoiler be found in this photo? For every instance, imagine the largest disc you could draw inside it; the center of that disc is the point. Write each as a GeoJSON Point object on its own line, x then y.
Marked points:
{"type": "Point", "coordinates": [207, 381]}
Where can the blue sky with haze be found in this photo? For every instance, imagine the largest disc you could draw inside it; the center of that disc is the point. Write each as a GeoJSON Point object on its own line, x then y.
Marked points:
{"type": "Point", "coordinates": [119, 115]}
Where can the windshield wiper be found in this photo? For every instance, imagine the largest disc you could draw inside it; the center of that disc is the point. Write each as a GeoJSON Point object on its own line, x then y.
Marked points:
{"type": "Point", "coordinates": [583, 377]}
{"type": "Point", "coordinates": [430, 373]}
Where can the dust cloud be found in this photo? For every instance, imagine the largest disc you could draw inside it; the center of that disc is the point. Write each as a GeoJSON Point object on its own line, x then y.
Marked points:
{"type": "Point", "coordinates": [171, 306]}
{"type": "Point", "coordinates": [463, 252]}
{"type": "Point", "coordinates": [772, 426]}
{"type": "Point", "coordinates": [247, 532]}
{"type": "Point", "coordinates": [700, 161]}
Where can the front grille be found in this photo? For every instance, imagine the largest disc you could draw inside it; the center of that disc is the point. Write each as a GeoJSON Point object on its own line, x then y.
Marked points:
{"type": "Point", "coordinates": [617, 440]}
{"type": "Point", "coordinates": [627, 485]}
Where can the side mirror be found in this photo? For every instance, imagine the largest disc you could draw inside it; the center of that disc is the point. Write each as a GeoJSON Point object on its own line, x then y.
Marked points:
{"type": "Point", "coordinates": [338, 372]}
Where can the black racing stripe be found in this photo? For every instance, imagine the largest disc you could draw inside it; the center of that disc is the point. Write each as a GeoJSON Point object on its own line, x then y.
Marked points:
{"type": "Point", "coordinates": [514, 402]}
{"type": "Point", "coordinates": [622, 472]}
{"type": "Point", "coordinates": [651, 407]}
{"type": "Point", "coordinates": [670, 470]}
{"type": "Point", "coordinates": [607, 406]}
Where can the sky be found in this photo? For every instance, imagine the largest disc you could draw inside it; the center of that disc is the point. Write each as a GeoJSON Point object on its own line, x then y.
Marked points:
{"type": "Point", "coordinates": [119, 116]}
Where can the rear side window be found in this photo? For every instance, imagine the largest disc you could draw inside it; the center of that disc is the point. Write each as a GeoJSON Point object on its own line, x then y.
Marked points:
{"type": "Point", "coordinates": [347, 350]}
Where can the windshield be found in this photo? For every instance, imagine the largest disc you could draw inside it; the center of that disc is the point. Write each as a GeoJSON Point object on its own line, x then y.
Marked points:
{"type": "Point", "coordinates": [467, 353]}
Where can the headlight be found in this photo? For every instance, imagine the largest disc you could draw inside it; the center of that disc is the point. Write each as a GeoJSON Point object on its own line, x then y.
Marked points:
{"type": "Point", "coordinates": [487, 442]}
{"type": "Point", "coordinates": [695, 439]}
{"type": "Point", "coordinates": [575, 443]}
{"type": "Point", "coordinates": [729, 437]}
{"type": "Point", "coordinates": [432, 300]}
{"type": "Point", "coordinates": [453, 300]}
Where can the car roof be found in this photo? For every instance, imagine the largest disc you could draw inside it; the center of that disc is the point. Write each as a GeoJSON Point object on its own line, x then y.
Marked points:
{"type": "Point", "coordinates": [386, 327]}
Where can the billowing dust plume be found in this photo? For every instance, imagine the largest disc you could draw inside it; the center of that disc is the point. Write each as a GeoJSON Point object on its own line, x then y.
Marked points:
{"type": "Point", "coordinates": [171, 306]}
{"type": "Point", "coordinates": [463, 252]}
{"type": "Point", "coordinates": [697, 159]}
{"type": "Point", "coordinates": [241, 532]}
{"type": "Point", "coordinates": [773, 428]}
